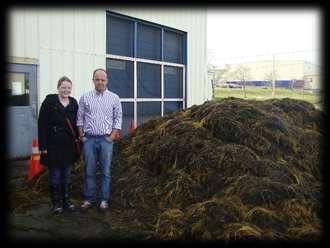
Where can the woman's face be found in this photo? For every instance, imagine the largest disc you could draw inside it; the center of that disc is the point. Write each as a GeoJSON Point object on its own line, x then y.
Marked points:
{"type": "Point", "coordinates": [64, 90]}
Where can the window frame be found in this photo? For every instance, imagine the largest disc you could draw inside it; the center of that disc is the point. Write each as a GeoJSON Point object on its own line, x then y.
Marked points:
{"type": "Point", "coordinates": [135, 100]}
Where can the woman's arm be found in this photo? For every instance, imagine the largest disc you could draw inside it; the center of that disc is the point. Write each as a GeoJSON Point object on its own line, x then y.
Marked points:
{"type": "Point", "coordinates": [42, 126]}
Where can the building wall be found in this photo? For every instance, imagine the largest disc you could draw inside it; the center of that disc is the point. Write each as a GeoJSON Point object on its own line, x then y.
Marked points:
{"type": "Point", "coordinates": [312, 75]}
{"type": "Point", "coordinates": [67, 42]}
{"type": "Point", "coordinates": [72, 42]}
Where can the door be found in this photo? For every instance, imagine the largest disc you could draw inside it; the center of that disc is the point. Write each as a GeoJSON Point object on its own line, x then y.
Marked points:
{"type": "Point", "coordinates": [21, 109]}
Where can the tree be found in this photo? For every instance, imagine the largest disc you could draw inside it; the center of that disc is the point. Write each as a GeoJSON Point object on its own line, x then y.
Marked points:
{"type": "Point", "coordinates": [243, 74]}
{"type": "Point", "coordinates": [211, 69]}
{"type": "Point", "coordinates": [225, 74]}
{"type": "Point", "coordinates": [268, 79]}
{"type": "Point", "coordinates": [271, 77]}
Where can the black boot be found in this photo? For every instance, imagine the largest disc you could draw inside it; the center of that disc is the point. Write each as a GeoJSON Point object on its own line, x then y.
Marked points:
{"type": "Point", "coordinates": [67, 204]}
{"type": "Point", "coordinates": [55, 194]}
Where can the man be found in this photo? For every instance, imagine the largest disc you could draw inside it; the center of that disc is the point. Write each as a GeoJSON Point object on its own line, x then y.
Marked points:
{"type": "Point", "coordinates": [99, 122]}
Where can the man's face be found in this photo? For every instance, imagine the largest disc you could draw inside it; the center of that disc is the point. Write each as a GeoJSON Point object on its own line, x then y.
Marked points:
{"type": "Point", "coordinates": [100, 81]}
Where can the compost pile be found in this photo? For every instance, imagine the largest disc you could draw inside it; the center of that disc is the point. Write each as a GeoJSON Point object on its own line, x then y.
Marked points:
{"type": "Point", "coordinates": [232, 169]}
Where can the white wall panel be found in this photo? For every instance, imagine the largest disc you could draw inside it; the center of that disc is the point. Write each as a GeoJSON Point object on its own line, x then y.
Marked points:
{"type": "Point", "coordinates": [77, 75]}
{"type": "Point", "coordinates": [89, 28]}
{"type": "Point", "coordinates": [68, 31]}
{"type": "Point", "coordinates": [16, 42]}
{"type": "Point", "coordinates": [31, 34]}
{"type": "Point", "coordinates": [68, 63]}
{"type": "Point", "coordinates": [45, 84]}
{"type": "Point", "coordinates": [56, 67]}
{"type": "Point", "coordinates": [84, 65]}
{"type": "Point", "coordinates": [100, 32]}
{"type": "Point", "coordinates": [99, 61]}
{"type": "Point", "coordinates": [56, 29]}
{"type": "Point", "coordinates": [44, 28]}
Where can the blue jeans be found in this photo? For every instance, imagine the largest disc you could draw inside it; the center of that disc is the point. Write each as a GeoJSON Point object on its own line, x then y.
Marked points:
{"type": "Point", "coordinates": [59, 175]}
{"type": "Point", "coordinates": [97, 149]}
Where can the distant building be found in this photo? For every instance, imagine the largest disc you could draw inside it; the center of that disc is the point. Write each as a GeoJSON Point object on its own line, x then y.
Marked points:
{"type": "Point", "coordinates": [288, 74]}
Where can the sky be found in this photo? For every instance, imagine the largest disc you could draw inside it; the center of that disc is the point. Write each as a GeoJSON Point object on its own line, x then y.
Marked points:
{"type": "Point", "coordinates": [235, 36]}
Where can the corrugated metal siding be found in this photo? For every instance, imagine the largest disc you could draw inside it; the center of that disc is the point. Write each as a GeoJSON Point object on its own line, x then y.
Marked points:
{"type": "Point", "coordinates": [72, 42]}
{"type": "Point", "coordinates": [23, 34]}
{"type": "Point", "coordinates": [67, 42]}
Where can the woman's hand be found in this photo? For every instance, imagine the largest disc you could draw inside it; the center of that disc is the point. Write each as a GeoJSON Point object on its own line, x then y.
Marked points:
{"type": "Point", "coordinates": [43, 151]}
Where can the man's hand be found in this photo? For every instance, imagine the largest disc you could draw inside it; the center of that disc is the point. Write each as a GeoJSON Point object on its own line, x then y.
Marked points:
{"type": "Point", "coordinates": [115, 134]}
{"type": "Point", "coordinates": [81, 134]}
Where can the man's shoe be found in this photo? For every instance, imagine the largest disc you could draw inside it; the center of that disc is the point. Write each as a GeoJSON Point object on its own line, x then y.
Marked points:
{"type": "Point", "coordinates": [85, 206]}
{"type": "Point", "coordinates": [104, 206]}
{"type": "Point", "coordinates": [57, 209]}
{"type": "Point", "coordinates": [68, 205]}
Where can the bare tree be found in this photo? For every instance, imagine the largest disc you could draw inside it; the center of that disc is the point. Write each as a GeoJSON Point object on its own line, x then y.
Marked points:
{"type": "Point", "coordinates": [211, 69]}
{"type": "Point", "coordinates": [243, 74]}
{"type": "Point", "coordinates": [225, 74]}
{"type": "Point", "coordinates": [268, 79]}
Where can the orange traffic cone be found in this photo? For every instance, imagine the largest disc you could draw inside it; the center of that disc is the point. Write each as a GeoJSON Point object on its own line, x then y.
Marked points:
{"type": "Point", "coordinates": [132, 127]}
{"type": "Point", "coordinates": [35, 167]}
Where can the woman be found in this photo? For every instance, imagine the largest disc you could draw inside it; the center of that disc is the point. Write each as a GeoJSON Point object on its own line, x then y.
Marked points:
{"type": "Point", "coordinates": [56, 142]}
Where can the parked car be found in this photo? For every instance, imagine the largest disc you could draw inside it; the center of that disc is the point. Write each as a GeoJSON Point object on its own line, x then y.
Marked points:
{"type": "Point", "coordinates": [233, 85]}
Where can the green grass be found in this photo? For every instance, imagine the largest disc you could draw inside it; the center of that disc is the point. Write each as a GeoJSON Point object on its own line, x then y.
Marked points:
{"type": "Point", "coordinates": [256, 93]}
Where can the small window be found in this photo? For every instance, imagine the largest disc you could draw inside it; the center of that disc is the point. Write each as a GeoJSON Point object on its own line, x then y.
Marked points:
{"type": "Point", "coordinates": [173, 86]}
{"type": "Point", "coordinates": [170, 107]}
{"type": "Point", "coordinates": [148, 42]}
{"type": "Point", "coordinates": [147, 110]}
{"type": "Point", "coordinates": [120, 36]}
{"type": "Point", "coordinates": [173, 47]}
{"type": "Point", "coordinates": [17, 89]}
{"type": "Point", "coordinates": [148, 80]}
{"type": "Point", "coordinates": [121, 77]}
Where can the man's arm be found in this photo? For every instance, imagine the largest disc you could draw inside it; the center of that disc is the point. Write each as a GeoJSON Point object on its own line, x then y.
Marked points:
{"type": "Point", "coordinates": [117, 120]}
{"type": "Point", "coordinates": [80, 117]}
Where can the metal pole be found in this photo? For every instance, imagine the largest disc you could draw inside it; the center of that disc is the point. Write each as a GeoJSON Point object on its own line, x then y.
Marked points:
{"type": "Point", "coordinates": [273, 77]}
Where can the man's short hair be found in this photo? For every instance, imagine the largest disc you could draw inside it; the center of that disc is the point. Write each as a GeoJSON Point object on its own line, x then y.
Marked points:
{"type": "Point", "coordinates": [99, 69]}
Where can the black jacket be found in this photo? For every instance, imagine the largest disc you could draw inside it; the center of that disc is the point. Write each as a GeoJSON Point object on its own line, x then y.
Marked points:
{"type": "Point", "coordinates": [54, 134]}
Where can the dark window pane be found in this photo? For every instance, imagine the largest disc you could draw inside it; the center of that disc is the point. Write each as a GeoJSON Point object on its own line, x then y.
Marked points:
{"type": "Point", "coordinates": [170, 107]}
{"type": "Point", "coordinates": [148, 42]}
{"type": "Point", "coordinates": [173, 47]}
{"type": "Point", "coordinates": [120, 36]}
{"type": "Point", "coordinates": [128, 116]}
{"type": "Point", "coordinates": [146, 110]}
{"type": "Point", "coordinates": [121, 77]}
{"type": "Point", "coordinates": [17, 89]}
{"type": "Point", "coordinates": [173, 86]}
{"type": "Point", "coordinates": [148, 80]}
